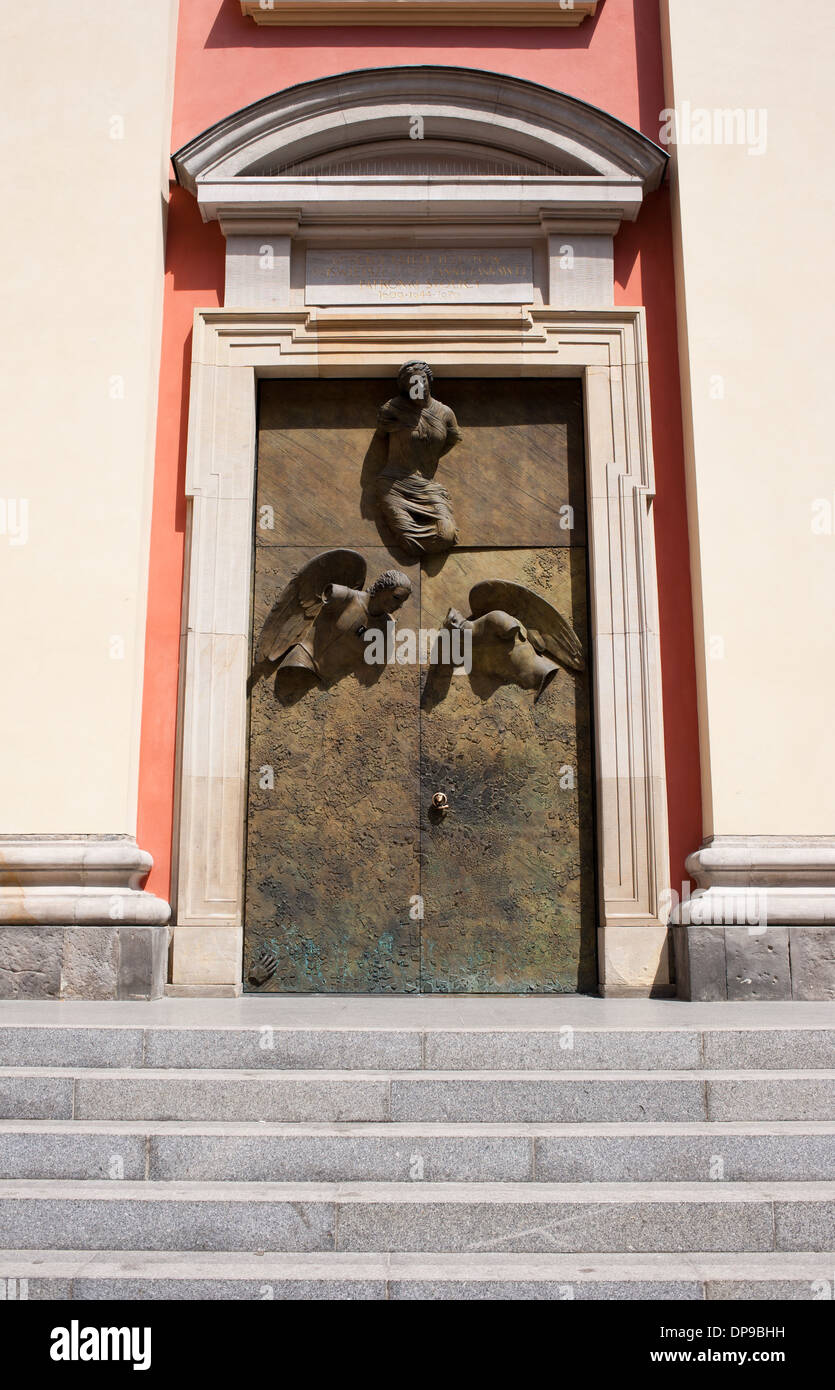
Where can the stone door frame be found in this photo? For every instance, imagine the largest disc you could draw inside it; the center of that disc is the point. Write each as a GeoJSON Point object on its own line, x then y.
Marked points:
{"type": "Point", "coordinates": [232, 350]}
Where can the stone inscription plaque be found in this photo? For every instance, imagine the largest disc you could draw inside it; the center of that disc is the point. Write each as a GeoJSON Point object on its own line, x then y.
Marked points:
{"type": "Point", "coordinates": [480, 276]}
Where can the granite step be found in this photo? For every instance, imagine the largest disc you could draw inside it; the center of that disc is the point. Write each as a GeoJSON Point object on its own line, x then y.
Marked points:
{"type": "Point", "coordinates": [464, 1218]}
{"type": "Point", "coordinates": [273, 1046]}
{"type": "Point", "coordinates": [171, 1151]}
{"type": "Point", "coordinates": [181, 1275]}
{"type": "Point", "coordinates": [419, 1096]}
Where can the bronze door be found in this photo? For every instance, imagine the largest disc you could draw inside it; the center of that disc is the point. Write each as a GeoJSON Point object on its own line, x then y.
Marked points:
{"type": "Point", "coordinates": [354, 883]}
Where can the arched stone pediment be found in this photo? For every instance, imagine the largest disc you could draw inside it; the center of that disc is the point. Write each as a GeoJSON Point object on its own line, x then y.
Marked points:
{"type": "Point", "coordinates": [395, 158]}
{"type": "Point", "coordinates": [404, 132]}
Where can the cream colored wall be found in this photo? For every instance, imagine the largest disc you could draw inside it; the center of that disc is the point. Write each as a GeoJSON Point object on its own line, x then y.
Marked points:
{"type": "Point", "coordinates": [87, 98]}
{"type": "Point", "coordinates": [756, 306]}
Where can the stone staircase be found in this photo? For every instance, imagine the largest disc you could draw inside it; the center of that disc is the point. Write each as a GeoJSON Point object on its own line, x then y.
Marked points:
{"type": "Point", "coordinates": [253, 1160]}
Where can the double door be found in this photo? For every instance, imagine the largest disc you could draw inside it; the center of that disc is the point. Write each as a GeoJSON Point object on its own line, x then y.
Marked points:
{"type": "Point", "coordinates": [355, 881]}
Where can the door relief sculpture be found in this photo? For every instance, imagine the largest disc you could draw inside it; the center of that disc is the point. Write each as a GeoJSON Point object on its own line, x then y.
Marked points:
{"type": "Point", "coordinates": [416, 432]}
{"type": "Point", "coordinates": [420, 797]}
{"type": "Point", "coordinates": [501, 646]}
{"type": "Point", "coordinates": [320, 619]}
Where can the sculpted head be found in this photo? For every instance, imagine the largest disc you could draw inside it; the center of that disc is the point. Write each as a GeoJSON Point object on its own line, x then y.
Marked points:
{"type": "Point", "coordinates": [502, 648]}
{"type": "Point", "coordinates": [389, 592]}
{"type": "Point", "coordinates": [414, 381]}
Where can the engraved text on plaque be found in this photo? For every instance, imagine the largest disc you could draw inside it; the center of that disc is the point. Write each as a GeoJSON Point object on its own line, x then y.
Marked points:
{"type": "Point", "coordinates": [480, 276]}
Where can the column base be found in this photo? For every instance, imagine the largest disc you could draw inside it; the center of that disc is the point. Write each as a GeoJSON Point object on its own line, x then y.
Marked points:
{"type": "Point", "coordinates": [114, 962]}
{"type": "Point", "coordinates": [75, 922]}
{"type": "Point", "coordinates": [203, 991]}
{"type": "Point", "coordinates": [634, 962]}
{"type": "Point", "coordinates": [761, 924]}
{"type": "Point", "coordinates": [736, 963]}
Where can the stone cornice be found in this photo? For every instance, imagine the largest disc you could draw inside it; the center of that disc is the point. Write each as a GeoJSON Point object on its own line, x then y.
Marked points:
{"type": "Point", "coordinates": [276, 157]}
{"type": "Point", "coordinates": [504, 13]}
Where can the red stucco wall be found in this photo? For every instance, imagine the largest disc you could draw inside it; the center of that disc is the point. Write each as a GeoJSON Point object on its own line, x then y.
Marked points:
{"type": "Point", "coordinates": [224, 62]}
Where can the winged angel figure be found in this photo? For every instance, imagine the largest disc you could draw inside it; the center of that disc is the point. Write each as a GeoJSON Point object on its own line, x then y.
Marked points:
{"type": "Point", "coordinates": [319, 619]}
{"type": "Point", "coordinates": [518, 638]}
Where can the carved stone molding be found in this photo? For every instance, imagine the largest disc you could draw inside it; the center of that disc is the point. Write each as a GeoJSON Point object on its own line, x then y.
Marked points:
{"type": "Point", "coordinates": [506, 13]}
{"type": "Point", "coordinates": [789, 880]}
{"type": "Point", "coordinates": [521, 151]}
{"type": "Point", "coordinates": [75, 922]}
{"type": "Point", "coordinates": [91, 880]}
{"type": "Point", "coordinates": [761, 923]}
{"type": "Point", "coordinates": [500, 163]}
{"type": "Point", "coordinates": [606, 349]}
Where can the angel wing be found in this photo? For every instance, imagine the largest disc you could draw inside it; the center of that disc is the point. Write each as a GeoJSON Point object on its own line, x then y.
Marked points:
{"type": "Point", "coordinates": [548, 630]}
{"type": "Point", "coordinates": [300, 602]}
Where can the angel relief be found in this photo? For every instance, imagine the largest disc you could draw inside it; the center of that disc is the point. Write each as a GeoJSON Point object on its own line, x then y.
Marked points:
{"type": "Point", "coordinates": [410, 827]}
{"type": "Point", "coordinates": [325, 624]}
{"type": "Point", "coordinates": [317, 629]}
{"type": "Point", "coordinates": [517, 638]}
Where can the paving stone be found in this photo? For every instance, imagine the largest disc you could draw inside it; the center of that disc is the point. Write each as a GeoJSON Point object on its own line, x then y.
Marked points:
{"type": "Point", "coordinates": [346, 1158]}
{"type": "Point", "coordinates": [758, 963]}
{"type": "Point", "coordinates": [547, 1224]}
{"type": "Point", "coordinates": [411, 1148]}
{"type": "Point", "coordinates": [543, 1097]}
{"type": "Point", "coordinates": [72, 1155]}
{"type": "Point", "coordinates": [225, 1096]}
{"type": "Point", "coordinates": [544, 1291]}
{"type": "Point", "coordinates": [769, 1048]}
{"type": "Point", "coordinates": [13, 1290]}
{"type": "Point", "coordinates": [32, 958]}
{"type": "Point", "coordinates": [48, 1046]}
{"type": "Point", "coordinates": [812, 951]}
{"type": "Point", "coordinates": [233, 1290]}
{"type": "Point", "coordinates": [566, 1049]}
{"type": "Point", "coordinates": [33, 1097]}
{"type": "Point", "coordinates": [805, 1226]}
{"type": "Point", "coordinates": [701, 966]}
{"type": "Point", "coordinates": [765, 1290]}
{"type": "Point", "coordinates": [62, 1217]}
{"type": "Point", "coordinates": [270, 1048]}
{"type": "Point", "coordinates": [790, 1096]}
{"type": "Point", "coordinates": [144, 1275]}
{"type": "Point", "coordinates": [676, 1157]}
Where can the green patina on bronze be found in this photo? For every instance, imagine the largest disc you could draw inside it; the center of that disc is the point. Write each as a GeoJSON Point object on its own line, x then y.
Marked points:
{"type": "Point", "coordinates": [332, 845]}
{"type": "Point", "coordinates": [507, 873]}
{"type": "Point", "coordinates": [353, 883]}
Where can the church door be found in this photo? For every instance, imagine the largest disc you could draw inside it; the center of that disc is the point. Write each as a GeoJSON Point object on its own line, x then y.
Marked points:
{"type": "Point", "coordinates": [420, 812]}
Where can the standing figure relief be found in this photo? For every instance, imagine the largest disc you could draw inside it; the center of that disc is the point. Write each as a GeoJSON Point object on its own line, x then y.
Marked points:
{"type": "Point", "coordinates": [416, 431]}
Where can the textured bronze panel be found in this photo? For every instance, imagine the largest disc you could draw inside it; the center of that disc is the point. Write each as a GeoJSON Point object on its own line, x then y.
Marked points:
{"type": "Point", "coordinates": [507, 872]}
{"type": "Point", "coordinates": [342, 848]}
{"type": "Point", "coordinates": [332, 846]}
{"type": "Point", "coordinates": [520, 461]}
{"type": "Point", "coordinates": [313, 438]}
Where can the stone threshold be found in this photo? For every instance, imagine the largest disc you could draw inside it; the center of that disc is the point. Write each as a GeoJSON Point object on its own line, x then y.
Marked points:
{"type": "Point", "coordinates": [424, 1012]}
